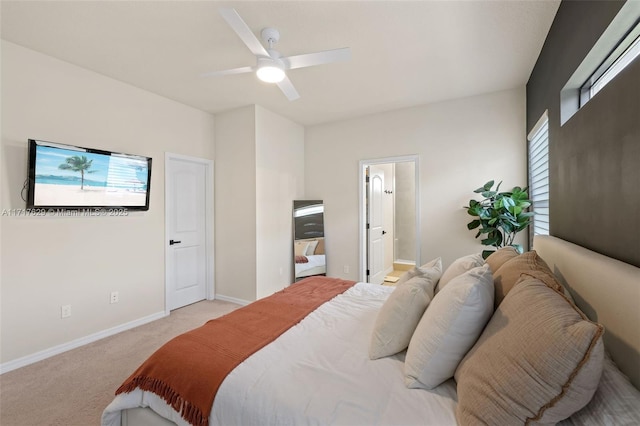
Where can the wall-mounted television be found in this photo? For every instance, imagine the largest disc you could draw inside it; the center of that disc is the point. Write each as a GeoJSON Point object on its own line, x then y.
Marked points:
{"type": "Point", "coordinates": [72, 177]}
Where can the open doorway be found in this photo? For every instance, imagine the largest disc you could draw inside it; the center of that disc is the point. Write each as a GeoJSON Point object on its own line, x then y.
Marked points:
{"type": "Point", "coordinates": [389, 218]}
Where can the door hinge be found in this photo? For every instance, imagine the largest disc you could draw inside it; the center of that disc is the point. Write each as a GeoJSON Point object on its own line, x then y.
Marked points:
{"type": "Point", "coordinates": [367, 272]}
{"type": "Point", "coordinates": [367, 226]}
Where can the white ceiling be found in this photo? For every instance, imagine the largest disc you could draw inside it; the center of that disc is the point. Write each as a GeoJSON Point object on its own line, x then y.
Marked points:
{"type": "Point", "coordinates": [404, 53]}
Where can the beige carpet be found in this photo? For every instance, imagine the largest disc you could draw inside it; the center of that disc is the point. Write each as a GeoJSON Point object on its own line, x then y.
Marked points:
{"type": "Point", "coordinates": [74, 387]}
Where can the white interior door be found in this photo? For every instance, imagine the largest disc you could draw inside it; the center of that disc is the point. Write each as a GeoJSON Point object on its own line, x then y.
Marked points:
{"type": "Point", "coordinates": [364, 204]}
{"type": "Point", "coordinates": [186, 232]}
{"type": "Point", "coordinates": [376, 226]}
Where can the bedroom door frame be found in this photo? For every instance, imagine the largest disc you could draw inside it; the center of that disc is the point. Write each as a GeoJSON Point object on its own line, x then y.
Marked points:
{"type": "Point", "coordinates": [209, 223]}
{"type": "Point", "coordinates": [362, 205]}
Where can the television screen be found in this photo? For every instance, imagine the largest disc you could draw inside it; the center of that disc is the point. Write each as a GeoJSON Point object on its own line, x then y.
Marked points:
{"type": "Point", "coordinates": [71, 177]}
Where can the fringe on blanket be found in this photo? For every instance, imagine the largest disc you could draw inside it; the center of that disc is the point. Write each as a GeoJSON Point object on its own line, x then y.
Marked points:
{"type": "Point", "coordinates": [190, 412]}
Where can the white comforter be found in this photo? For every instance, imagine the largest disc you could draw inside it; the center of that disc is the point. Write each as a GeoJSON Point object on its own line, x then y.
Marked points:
{"type": "Point", "coordinates": [315, 265]}
{"type": "Point", "coordinates": [318, 373]}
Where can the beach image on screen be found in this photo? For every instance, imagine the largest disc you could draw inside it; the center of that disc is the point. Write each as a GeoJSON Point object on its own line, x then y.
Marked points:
{"type": "Point", "coordinates": [65, 177]}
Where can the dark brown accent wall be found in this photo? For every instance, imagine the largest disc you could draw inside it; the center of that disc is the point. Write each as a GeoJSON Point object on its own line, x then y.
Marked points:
{"type": "Point", "coordinates": [594, 158]}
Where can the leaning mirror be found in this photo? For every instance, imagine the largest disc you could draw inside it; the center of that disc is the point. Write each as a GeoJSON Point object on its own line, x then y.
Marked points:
{"type": "Point", "coordinates": [308, 239]}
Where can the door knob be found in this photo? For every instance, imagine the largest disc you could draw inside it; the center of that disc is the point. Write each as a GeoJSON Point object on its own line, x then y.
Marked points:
{"type": "Point", "coordinates": [384, 232]}
{"type": "Point", "coordinates": [172, 242]}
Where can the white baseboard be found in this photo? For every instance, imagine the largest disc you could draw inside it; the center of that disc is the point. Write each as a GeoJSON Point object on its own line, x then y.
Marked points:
{"type": "Point", "coordinates": [232, 299]}
{"type": "Point", "coordinates": [47, 353]}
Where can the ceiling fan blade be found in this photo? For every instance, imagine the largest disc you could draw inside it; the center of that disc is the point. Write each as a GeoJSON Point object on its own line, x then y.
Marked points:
{"type": "Point", "coordinates": [287, 88]}
{"type": "Point", "coordinates": [318, 58]}
{"type": "Point", "coordinates": [246, 35]}
{"type": "Point", "coordinates": [228, 72]}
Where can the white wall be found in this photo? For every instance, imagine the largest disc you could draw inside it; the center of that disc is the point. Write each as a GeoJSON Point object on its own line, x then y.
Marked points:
{"type": "Point", "coordinates": [461, 144]}
{"type": "Point", "coordinates": [259, 172]}
{"type": "Point", "coordinates": [52, 261]}
{"type": "Point", "coordinates": [235, 201]}
{"type": "Point", "coordinates": [279, 181]}
{"type": "Point", "coordinates": [405, 207]}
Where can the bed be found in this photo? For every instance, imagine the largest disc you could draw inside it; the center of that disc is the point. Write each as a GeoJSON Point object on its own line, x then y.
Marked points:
{"type": "Point", "coordinates": [320, 371]}
{"type": "Point", "coordinates": [310, 258]}
{"type": "Point", "coordinates": [314, 265]}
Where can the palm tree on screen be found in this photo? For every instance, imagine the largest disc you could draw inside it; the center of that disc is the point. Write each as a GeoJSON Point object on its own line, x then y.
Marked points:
{"type": "Point", "coordinates": [78, 164]}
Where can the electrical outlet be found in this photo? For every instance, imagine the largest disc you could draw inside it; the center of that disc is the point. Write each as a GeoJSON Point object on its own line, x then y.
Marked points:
{"type": "Point", "coordinates": [65, 311]}
{"type": "Point", "coordinates": [115, 297]}
{"type": "Point", "coordinates": [346, 269]}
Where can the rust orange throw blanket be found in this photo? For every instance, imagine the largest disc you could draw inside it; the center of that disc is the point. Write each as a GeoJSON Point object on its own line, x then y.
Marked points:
{"type": "Point", "coordinates": [188, 370]}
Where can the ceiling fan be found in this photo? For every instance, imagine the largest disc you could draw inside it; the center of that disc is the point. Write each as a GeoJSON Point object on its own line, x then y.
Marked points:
{"type": "Point", "coordinates": [270, 66]}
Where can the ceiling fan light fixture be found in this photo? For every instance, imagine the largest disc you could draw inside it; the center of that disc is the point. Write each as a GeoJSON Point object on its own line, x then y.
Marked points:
{"type": "Point", "coordinates": [270, 65]}
{"type": "Point", "coordinates": [270, 70]}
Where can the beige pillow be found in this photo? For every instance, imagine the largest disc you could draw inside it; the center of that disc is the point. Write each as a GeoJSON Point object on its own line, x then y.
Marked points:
{"type": "Point", "coordinates": [615, 398]}
{"type": "Point", "coordinates": [500, 256]}
{"type": "Point", "coordinates": [311, 248]}
{"type": "Point", "coordinates": [401, 312]}
{"type": "Point", "coordinates": [509, 273]}
{"type": "Point", "coordinates": [320, 247]}
{"type": "Point", "coordinates": [539, 360]}
{"type": "Point", "coordinates": [459, 267]}
{"type": "Point", "coordinates": [420, 270]}
{"type": "Point", "coordinates": [448, 329]}
{"type": "Point", "coordinates": [300, 248]}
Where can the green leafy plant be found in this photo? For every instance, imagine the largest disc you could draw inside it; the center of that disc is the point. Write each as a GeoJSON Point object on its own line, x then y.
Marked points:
{"type": "Point", "coordinates": [499, 216]}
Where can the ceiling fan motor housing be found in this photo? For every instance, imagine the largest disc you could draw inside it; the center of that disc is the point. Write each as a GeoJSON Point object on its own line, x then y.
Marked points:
{"type": "Point", "coordinates": [270, 36]}
{"type": "Point", "coordinates": [270, 62]}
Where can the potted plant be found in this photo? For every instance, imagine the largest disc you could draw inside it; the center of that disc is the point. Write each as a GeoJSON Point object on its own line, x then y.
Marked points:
{"type": "Point", "coordinates": [499, 216]}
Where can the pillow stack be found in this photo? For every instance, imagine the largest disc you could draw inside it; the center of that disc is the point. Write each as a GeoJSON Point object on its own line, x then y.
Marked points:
{"type": "Point", "coordinates": [506, 275]}
{"type": "Point", "coordinates": [538, 360]}
{"type": "Point", "coordinates": [500, 257]}
{"type": "Point", "coordinates": [320, 247]}
{"type": "Point", "coordinates": [311, 248]}
{"type": "Point", "coordinates": [459, 267]}
{"type": "Point", "coordinates": [615, 398]}
{"type": "Point", "coordinates": [402, 311]}
{"type": "Point", "coordinates": [300, 248]}
{"type": "Point", "coordinates": [519, 349]}
{"type": "Point", "coordinates": [449, 328]}
{"type": "Point", "coordinates": [439, 332]}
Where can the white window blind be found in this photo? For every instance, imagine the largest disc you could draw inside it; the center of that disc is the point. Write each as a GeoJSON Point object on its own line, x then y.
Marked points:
{"type": "Point", "coordinates": [539, 175]}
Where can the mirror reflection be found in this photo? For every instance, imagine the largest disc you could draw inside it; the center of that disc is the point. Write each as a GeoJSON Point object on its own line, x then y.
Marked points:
{"type": "Point", "coordinates": [308, 238]}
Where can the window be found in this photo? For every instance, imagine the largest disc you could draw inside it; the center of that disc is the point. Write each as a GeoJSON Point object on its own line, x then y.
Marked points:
{"type": "Point", "coordinates": [539, 175]}
{"type": "Point", "coordinates": [617, 47]}
{"type": "Point", "coordinates": [625, 52]}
